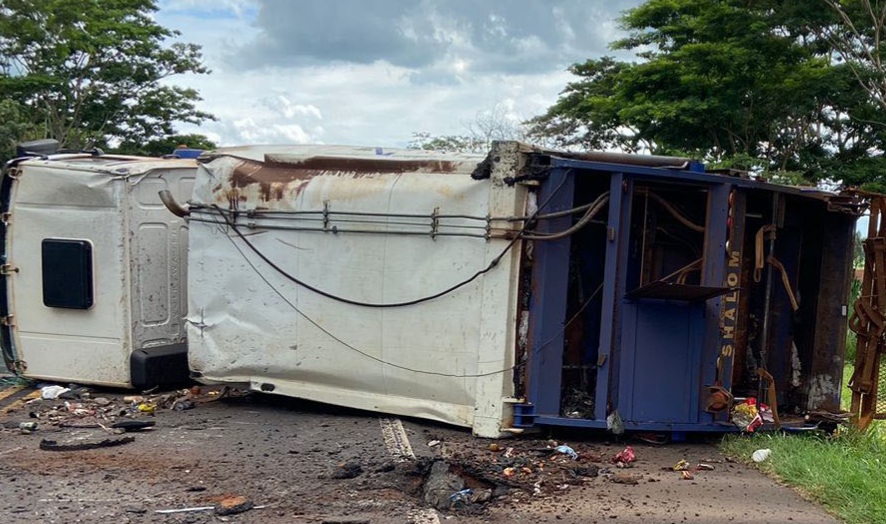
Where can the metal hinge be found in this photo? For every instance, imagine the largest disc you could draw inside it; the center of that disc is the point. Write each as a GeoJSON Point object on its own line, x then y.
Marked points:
{"type": "Point", "coordinates": [8, 269]}
{"type": "Point", "coordinates": [7, 320]}
{"type": "Point", "coordinates": [6, 218]}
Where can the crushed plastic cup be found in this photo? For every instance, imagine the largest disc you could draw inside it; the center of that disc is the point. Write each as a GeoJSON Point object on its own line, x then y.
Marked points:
{"type": "Point", "coordinates": [761, 455]}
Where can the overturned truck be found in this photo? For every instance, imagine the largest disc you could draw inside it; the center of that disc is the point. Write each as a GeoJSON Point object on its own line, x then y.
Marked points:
{"type": "Point", "coordinates": [517, 289]}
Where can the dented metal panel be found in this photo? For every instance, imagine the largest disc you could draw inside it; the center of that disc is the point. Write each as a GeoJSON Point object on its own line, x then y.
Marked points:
{"type": "Point", "coordinates": [112, 204]}
{"type": "Point", "coordinates": [445, 359]}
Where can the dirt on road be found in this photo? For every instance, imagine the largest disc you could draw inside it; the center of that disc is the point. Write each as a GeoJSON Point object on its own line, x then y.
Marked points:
{"type": "Point", "coordinates": [268, 459]}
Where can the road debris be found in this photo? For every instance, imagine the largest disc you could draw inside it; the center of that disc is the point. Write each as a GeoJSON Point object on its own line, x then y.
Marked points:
{"type": "Point", "coordinates": [440, 486]}
{"type": "Point", "coordinates": [566, 450]}
{"type": "Point", "coordinates": [620, 477]}
{"type": "Point", "coordinates": [134, 425]}
{"type": "Point", "coordinates": [52, 392]}
{"type": "Point", "coordinates": [461, 498]}
{"type": "Point", "coordinates": [761, 455]}
{"type": "Point", "coordinates": [624, 458]}
{"type": "Point", "coordinates": [233, 505]}
{"type": "Point", "coordinates": [52, 445]}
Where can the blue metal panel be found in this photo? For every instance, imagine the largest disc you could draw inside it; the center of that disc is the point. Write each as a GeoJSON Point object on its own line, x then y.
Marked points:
{"type": "Point", "coordinates": [714, 274]}
{"type": "Point", "coordinates": [620, 192]}
{"type": "Point", "coordinates": [550, 278]}
{"type": "Point", "coordinates": [636, 426]}
{"type": "Point", "coordinates": [660, 361]}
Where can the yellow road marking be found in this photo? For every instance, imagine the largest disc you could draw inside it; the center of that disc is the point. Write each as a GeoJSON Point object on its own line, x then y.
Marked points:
{"type": "Point", "coordinates": [21, 401]}
{"type": "Point", "coordinates": [6, 393]}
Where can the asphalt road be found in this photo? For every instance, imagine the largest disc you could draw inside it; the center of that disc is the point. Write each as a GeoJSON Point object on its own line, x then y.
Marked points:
{"type": "Point", "coordinates": [296, 461]}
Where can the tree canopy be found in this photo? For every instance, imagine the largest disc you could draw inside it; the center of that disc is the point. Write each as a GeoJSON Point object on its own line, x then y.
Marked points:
{"type": "Point", "coordinates": [754, 84]}
{"type": "Point", "coordinates": [91, 72]}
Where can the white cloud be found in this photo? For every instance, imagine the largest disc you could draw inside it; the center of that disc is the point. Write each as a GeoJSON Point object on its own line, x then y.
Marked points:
{"type": "Point", "coordinates": [372, 72]}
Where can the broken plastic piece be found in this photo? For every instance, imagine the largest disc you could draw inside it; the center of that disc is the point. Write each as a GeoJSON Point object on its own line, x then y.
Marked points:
{"type": "Point", "coordinates": [761, 455]}
{"type": "Point", "coordinates": [566, 450]}
{"type": "Point", "coordinates": [52, 392]}
{"type": "Point", "coordinates": [624, 457]}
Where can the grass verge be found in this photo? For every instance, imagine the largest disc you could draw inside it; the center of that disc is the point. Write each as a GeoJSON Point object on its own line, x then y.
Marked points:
{"type": "Point", "coordinates": [844, 473]}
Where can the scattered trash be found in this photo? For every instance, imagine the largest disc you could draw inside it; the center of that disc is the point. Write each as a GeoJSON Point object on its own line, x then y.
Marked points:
{"type": "Point", "coordinates": [494, 447]}
{"type": "Point", "coordinates": [704, 467]}
{"type": "Point", "coordinates": [440, 486]}
{"type": "Point", "coordinates": [682, 465]}
{"type": "Point", "coordinates": [577, 403]}
{"type": "Point", "coordinates": [746, 416]}
{"type": "Point", "coordinates": [433, 443]}
{"type": "Point", "coordinates": [566, 450]}
{"type": "Point", "coordinates": [625, 457]}
{"type": "Point", "coordinates": [233, 506]}
{"type": "Point", "coordinates": [27, 427]}
{"type": "Point", "coordinates": [625, 478]}
{"type": "Point", "coordinates": [210, 508]}
{"type": "Point", "coordinates": [101, 401]}
{"type": "Point", "coordinates": [461, 498]}
{"type": "Point", "coordinates": [146, 407]}
{"type": "Point", "coordinates": [614, 423]}
{"type": "Point", "coordinates": [509, 472]}
{"type": "Point", "coordinates": [687, 475]}
{"type": "Point", "coordinates": [184, 510]}
{"type": "Point", "coordinates": [134, 399]}
{"type": "Point", "coordinates": [51, 445]}
{"type": "Point", "coordinates": [52, 392]}
{"type": "Point", "coordinates": [509, 452]}
{"type": "Point", "coordinates": [183, 405]}
{"type": "Point", "coordinates": [761, 455]}
{"type": "Point", "coordinates": [133, 425]}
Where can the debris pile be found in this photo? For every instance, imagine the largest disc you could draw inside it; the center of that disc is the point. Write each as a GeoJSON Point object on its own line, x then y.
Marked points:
{"type": "Point", "coordinates": [531, 467]}
{"type": "Point", "coordinates": [77, 407]}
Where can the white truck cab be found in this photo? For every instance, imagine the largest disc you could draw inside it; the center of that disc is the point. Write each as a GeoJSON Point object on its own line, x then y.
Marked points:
{"type": "Point", "coordinates": [94, 268]}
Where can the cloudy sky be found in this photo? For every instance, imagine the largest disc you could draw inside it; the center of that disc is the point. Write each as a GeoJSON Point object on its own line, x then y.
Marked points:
{"type": "Point", "coordinates": [372, 72]}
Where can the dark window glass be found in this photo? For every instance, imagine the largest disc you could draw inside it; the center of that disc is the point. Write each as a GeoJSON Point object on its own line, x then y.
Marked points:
{"type": "Point", "coordinates": [67, 273]}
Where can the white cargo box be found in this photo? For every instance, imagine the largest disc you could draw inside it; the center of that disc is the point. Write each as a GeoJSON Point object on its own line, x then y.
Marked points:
{"type": "Point", "coordinates": [365, 232]}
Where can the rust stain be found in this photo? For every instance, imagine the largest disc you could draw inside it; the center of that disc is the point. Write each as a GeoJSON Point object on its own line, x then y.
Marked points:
{"type": "Point", "coordinates": [274, 177]}
{"type": "Point", "coordinates": [375, 165]}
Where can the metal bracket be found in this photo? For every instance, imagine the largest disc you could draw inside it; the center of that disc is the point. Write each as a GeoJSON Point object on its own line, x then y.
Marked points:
{"type": "Point", "coordinates": [435, 223]}
{"type": "Point", "coordinates": [7, 321]}
{"type": "Point", "coordinates": [8, 269]}
{"type": "Point", "coordinates": [6, 218]}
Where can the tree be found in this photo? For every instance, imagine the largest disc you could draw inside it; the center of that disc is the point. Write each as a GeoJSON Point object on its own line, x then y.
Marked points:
{"type": "Point", "coordinates": [859, 37]}
{"type": "Point", "coordinates": [498, 123]}
{"type": "Point", "coordinates": [166, 145]}
{"type": "Point", "coordinates": [730, 82]}
{"type": "Point", "coordinates": [14, 128]}
{"type": "Point", "coordinates": [91, 72]}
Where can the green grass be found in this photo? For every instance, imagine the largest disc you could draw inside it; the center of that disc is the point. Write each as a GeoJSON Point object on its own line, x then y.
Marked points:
{"type": "Point", "coordinates": [846, 473]}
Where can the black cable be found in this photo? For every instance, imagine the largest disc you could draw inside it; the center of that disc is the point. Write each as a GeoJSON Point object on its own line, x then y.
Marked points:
{"type": "Point", "coordinates": [413, 302]}
{"type": "Point", "coordinates": [534, 352]}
